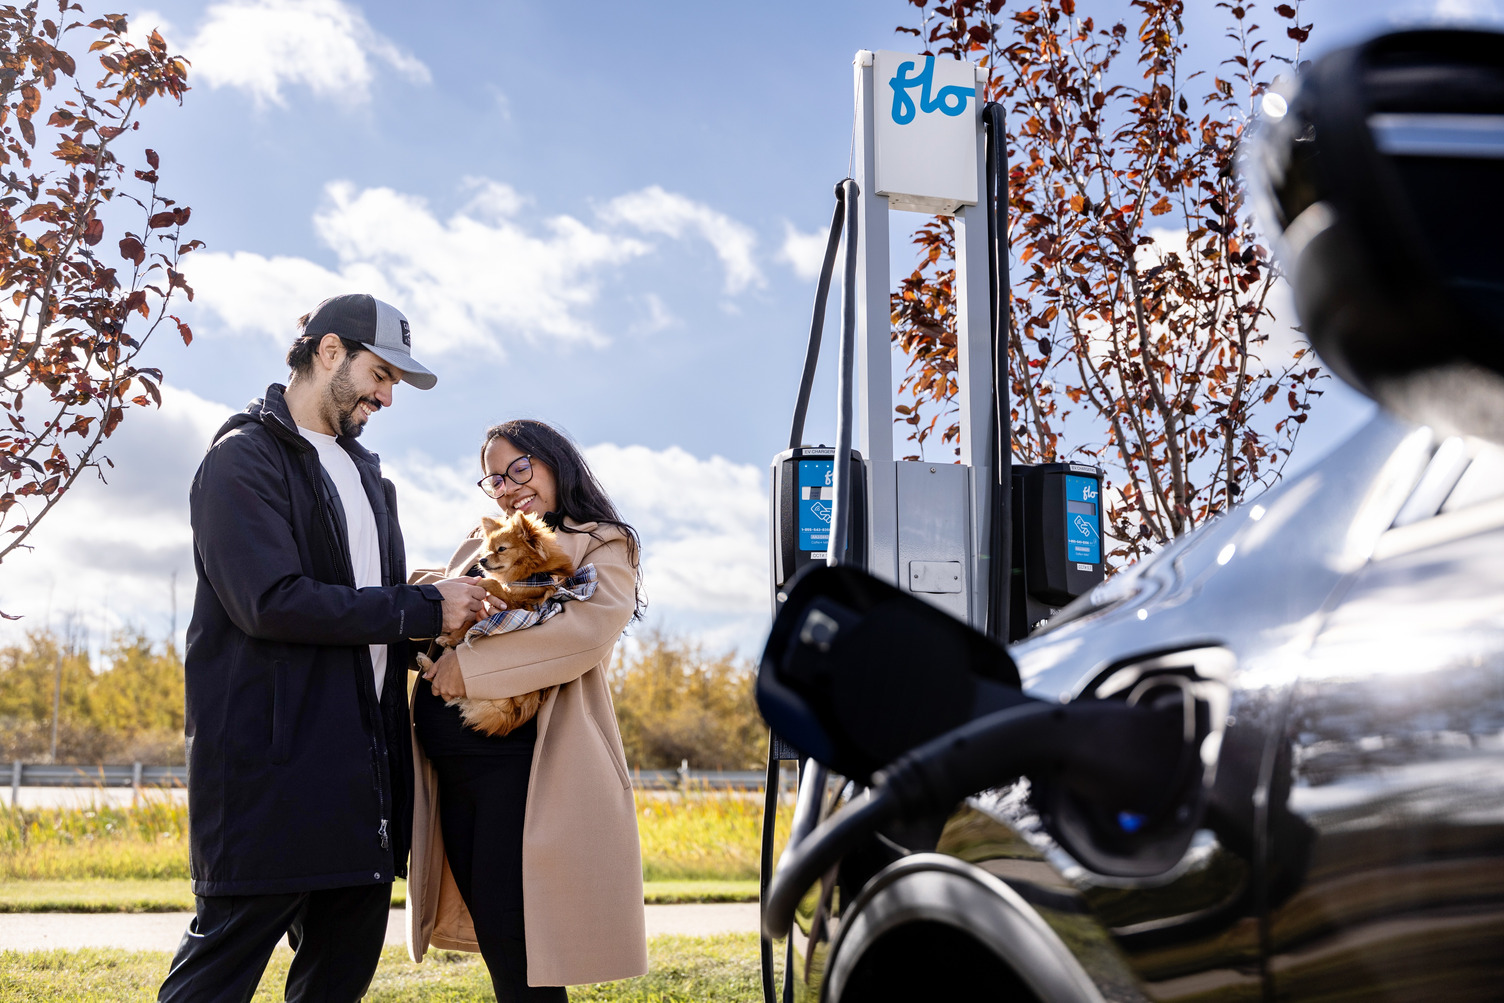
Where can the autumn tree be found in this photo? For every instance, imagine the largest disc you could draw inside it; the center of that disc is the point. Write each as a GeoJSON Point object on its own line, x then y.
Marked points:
{"type": "Point", "coordinates": [1140, 295]}
{"type": "Point", "coordinates": [89, 248]}
{"type": "Point", "coordinates": [127, 708]}
{"type": "Point", "coordinates": [675, 702]}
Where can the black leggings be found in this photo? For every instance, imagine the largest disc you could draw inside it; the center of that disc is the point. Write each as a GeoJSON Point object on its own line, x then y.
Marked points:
{"type": "Point", "coordinates": [481, 803]}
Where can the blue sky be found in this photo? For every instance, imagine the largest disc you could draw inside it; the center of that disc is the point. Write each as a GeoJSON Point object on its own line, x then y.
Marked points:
{"type": "Point", "coordinates": [598, 214]}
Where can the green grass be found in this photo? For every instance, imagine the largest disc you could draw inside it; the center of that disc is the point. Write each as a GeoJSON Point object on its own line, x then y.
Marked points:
{"type": "Point", "coordinates": [149, 841]}
{"type": "Point", "coordinates": [96, 895]}
{"type": "Point", "coordinates": [702, 835]}
{"type": "Point", "coordinates": [696, 836]}
{"type": "Point", "coordinates": [173, 895]}
{"type": "Point", "coordinates": [721, 969]}
{"type": "Point", "coordinates": [697, 847]}
{"type": "Point", "coordinates": [672, 892]}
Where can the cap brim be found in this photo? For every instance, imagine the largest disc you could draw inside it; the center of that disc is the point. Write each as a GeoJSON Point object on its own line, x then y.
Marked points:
{"type": "Point", "coordinates": [411, 371]}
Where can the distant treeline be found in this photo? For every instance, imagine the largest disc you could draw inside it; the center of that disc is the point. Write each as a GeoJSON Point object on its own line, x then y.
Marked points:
{"type": "Point", "coordinates": [133, 712]}
{"type": "Point", "coordinates": [674, 701]}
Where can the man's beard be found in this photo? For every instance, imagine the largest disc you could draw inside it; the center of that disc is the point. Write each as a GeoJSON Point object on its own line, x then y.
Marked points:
{"type": "Point", "coordinates": [341, 401]}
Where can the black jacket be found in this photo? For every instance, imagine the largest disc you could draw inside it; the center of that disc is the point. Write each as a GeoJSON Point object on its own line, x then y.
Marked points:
{"type": "Point", "coordinates": [298, 779]}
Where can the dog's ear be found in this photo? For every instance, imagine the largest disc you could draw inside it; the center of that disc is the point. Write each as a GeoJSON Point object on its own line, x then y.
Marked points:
{"type": "Point", "coordinates": [489, 525]}
{"type": "Point", "coordinates": [530, 528]}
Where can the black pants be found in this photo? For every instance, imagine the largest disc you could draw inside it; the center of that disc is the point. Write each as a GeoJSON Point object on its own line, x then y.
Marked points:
{"type": "Point", "coordinates": [481, 803]}
{"type": "Point", "coordinates": [336, 937]}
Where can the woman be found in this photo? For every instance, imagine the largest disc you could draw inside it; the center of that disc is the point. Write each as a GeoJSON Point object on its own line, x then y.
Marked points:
{"type": "Point", "coordinates": [525, 845]}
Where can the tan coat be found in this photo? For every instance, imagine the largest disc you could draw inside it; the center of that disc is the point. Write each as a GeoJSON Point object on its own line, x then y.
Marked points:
{"type": "Point", "coordinates": [581, 863]}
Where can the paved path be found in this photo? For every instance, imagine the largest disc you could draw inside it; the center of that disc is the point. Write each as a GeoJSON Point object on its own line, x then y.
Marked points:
{"type": "Point", "coordinates": [161, 931]}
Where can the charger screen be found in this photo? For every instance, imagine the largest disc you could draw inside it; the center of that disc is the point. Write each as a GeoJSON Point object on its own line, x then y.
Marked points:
{"type": "Point", "coordinates": [1083, 538]}
{"type": "Point", "coordinates": [815, 502]}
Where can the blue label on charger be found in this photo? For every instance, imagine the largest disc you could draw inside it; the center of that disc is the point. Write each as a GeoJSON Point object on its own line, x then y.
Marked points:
{"type": "Point", "coordinates": [816, 502]}
{"type": "Point", "coordinates": [1083, 535]}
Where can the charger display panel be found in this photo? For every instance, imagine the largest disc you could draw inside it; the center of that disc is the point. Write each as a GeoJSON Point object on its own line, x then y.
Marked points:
{"type": "Point", "coordinates": [816, 503]}
{"type": "Point", "coordinates": [1083, 537]}
{"type": "Point", "coordinates": [1057, 539]}
{"type": "Point", "coordinates": [803, 507]}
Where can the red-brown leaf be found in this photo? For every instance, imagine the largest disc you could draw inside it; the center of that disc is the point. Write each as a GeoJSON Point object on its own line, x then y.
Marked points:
{"type": "Point", "coordinates": [132, 251]}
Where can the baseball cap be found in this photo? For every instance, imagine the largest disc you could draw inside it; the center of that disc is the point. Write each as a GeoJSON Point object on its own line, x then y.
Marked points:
{"type": "Point", "coordinates": [379, 326]}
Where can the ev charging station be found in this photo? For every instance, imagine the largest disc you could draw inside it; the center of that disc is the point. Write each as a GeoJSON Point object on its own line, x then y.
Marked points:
{"type": "Point", "coordinates": [998, 546]}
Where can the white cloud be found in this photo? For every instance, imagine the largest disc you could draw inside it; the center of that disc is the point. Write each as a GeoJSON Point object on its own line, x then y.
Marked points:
{"type": "Point", "coordinates": [474, 281]}
{"type": "Point", "coordinates": [144, 22]}
{"type": "Point", "coordinates": [659, 317]}
{"type": "Point", "coordinates": [493, 201]}
{"type": "Point", "coordinates": [653, 210]}
{"type": "Point", "coordinates": [327, 46]}
{"type": "Point", "coordinates": [1465, 11]}
{"type": "Point", "coordinates": [110, 551]}
{"type": "Point", "coordinates": [803, 252]}
{"type": "Point", "coordinates": [704, 525]}
{"type": "Point", "coordinates": [437, 504]}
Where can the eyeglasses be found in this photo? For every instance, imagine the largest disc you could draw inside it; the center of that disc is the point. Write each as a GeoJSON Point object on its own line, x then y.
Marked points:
{"type": "Point", "coordinates": [519, 472]}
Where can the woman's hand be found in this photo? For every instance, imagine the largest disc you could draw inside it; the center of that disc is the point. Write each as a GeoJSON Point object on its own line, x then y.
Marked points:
{"type": "Point", "coordinates": [445, 677]}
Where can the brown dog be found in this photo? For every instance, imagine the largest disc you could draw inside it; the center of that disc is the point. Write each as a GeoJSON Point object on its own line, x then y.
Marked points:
{"type": "Point", "coordinates": [517, 548]}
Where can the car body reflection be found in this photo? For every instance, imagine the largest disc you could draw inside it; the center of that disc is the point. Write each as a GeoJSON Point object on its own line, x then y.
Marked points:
{"type": "Point", "coordinates": [1350, 841]}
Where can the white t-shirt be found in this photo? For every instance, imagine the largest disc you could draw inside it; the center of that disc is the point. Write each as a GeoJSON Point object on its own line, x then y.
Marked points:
{"type": "Point", "coordinates": [360, 522]}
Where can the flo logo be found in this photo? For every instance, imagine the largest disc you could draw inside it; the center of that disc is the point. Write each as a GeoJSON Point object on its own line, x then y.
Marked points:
{"type": "Point", "coordinates": [950, 100]}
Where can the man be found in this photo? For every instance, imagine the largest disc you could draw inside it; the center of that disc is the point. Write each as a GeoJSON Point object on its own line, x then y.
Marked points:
{"type": "Point", "coordinates": [299, 763]}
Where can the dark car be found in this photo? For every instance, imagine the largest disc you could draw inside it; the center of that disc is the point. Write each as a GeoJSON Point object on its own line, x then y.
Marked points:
{"type": "Point", "coordinates": [1327, 663]}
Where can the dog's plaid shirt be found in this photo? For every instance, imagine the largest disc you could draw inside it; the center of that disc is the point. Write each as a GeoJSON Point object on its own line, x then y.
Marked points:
{"type": "Point", "coordinates": [580, 585]}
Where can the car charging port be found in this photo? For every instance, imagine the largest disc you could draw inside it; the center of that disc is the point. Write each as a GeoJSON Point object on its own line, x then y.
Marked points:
{"type": "Point", "coordinates": [1113, 841]}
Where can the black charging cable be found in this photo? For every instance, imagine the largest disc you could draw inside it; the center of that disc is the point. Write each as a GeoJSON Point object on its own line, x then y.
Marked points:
{"type": "Point", "coordinates": [817, 319]}
{"type": "Point", "coordinates": [765, 867]}
{"type": "Point", "coordinates": [840, 518]}
{"type": "Point", "coordinates": [1081, 744]}
{"type": "Point", "coordinates": [845, 209]}
{"type": "Point", "coordinates": [1000, 535]}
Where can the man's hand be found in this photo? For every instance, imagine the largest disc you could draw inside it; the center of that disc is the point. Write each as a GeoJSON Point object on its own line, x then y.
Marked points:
{"type": "Point", "coordinates": [445, 676]}
{"type": "Point", "coordinates": [464, 602]}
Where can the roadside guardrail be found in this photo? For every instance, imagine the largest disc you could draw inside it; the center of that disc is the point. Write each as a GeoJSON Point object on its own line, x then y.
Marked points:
{"type": "Point", "coordinates": [139, 775]}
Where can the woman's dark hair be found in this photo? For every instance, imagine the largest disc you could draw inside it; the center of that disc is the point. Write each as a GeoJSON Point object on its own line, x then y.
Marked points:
{"type": "Point", "coordinates": [580, 496]}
